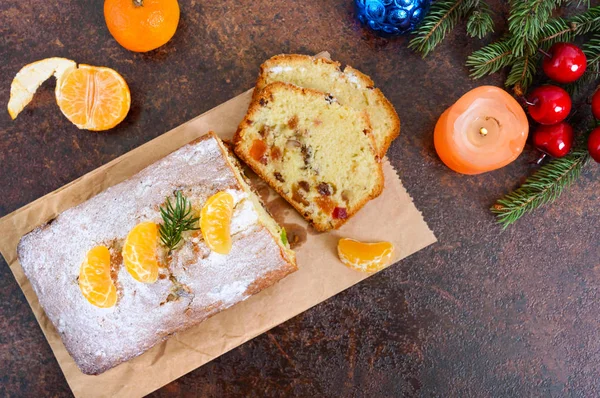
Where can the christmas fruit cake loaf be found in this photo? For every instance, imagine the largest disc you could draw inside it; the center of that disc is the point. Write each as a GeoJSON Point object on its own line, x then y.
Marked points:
{"type": "Point", "coordinates": [350, 87]}
{"type": "Point", "coordinates": [126, 269]}
{"type": "Point", "coordinates": [319, 155]}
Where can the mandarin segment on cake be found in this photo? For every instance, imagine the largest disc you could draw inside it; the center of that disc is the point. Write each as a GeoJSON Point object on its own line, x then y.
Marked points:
{"type": "Point", "coordinates": [88, 264]}
{"type": "Point", "coordinates": [318, 154]}
{"type": "Point", "coordinates": [215, 221]}
{"type": "Point", "coordinates": [140, 255]}
{"type": "Point", "coordinates": [95, 280]}
{"type": "Point", "coordinates": [350, 87]}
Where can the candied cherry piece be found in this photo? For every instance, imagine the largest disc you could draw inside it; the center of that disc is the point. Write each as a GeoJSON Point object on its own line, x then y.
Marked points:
{"type": "Point", "coordinates": [340, 213]}
{"type": "Point", "coordinates": [258, 151]}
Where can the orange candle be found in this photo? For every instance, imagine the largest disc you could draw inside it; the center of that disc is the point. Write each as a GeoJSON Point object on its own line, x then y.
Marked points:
{"type": "Point", "coordinates": [484, 130]}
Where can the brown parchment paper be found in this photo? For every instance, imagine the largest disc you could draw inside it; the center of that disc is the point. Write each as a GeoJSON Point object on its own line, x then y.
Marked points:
{"type": "Point", "coordinates": [392, 216]}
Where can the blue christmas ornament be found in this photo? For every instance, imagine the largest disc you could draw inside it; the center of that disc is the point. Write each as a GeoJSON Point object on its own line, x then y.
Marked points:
{"type": "Point", "coordinates": [391, 17]}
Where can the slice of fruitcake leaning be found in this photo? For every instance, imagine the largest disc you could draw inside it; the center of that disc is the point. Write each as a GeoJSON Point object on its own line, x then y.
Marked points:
{"type": "Point", "coordinates": [350, 87]}
{"type": "Point", "coordinates": [318, 154]}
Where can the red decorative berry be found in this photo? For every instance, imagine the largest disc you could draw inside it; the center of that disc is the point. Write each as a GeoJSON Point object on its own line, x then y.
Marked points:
{"type": "Point", "coordinates": [596, 104]}
{"type": "Point", "coordinates": [565, 64]}
{"type": "Point", "coordinates": [549, 104]}
{"type": "Point", "coordinates": [594, 144]}
{"type": "Point", "coordinates": [555, 140]}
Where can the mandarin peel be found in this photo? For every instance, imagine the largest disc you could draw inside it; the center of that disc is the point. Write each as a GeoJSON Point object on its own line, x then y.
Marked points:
{"type": "Point", "coordinates": [93, 98]}
{"type": "Point", "coordinates": [30, 78]}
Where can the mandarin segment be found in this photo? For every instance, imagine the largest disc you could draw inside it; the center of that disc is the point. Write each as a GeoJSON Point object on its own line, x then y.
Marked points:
{"type": "Point", "coordinates": [140, 252]}
{"type": "Point", "coordinates": [215, 222]}
{"type": "Point", "coordinates": [95, 281]}
{"type": "Point", "coordinates": [93, 98]}
{"type": "Point", "coordinates": [365, 257]}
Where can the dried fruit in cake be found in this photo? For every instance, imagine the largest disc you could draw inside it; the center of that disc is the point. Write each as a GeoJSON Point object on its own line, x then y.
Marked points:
{"type": "Point", "coordinates": [31, 77]}
{"type": "Point", "coordinates": [93, 98]}
{"type": "Point", "coordinates": [140, 252]}
{"type": "Point", "coordinates": [318, 154]}
{"type": "Point", "coordinates": [215, 222]}
{"type": "Point", "coordinates": [365, 257]}
{"type": "Point", "coordinates": [141, 25]}
{"type": "Point", "coordinates": [94, 278]}
{"type": "Point", "coordinates": [350, 87]}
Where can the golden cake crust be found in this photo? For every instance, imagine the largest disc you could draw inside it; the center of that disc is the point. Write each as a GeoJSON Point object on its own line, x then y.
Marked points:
{"type": "Point", "coordinates": [266, 95]}
{"type": "Point", "coordinates": [349, 79]}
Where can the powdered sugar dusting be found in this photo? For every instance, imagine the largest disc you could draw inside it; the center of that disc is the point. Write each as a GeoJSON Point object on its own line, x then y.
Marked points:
{"type": "Point", "coordinates": [229, 293]}
{"type": "Point", "coordinates": [200, 284]}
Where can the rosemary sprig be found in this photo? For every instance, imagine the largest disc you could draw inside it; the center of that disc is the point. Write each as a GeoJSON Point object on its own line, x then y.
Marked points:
{"type": "Point", "coordinates": [177, 218]}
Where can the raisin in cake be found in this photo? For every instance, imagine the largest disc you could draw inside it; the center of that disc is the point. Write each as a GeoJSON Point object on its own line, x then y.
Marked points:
{"type": "Point", "coordinates": [350, 87]}
{"type": "Point", "coordinates": [318, 154]}
{"type": "Point", "coordinates": [194, 283]}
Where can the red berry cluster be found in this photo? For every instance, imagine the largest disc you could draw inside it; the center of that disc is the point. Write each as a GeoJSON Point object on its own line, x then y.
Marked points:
{"type": "Point", "coordinates": [550, 105]}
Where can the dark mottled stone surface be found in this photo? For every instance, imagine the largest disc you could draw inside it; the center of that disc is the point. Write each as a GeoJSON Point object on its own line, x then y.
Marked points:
{"type": "Point", "coordinates": [483, 313]}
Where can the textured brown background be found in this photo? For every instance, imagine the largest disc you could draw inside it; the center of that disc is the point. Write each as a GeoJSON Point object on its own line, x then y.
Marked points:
{"type": "Point", "coordinates": [482, 313]}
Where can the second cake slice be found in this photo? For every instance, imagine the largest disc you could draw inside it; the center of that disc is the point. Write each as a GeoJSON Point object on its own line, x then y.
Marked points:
{"type": "Point", "coordinates": [319, 155]}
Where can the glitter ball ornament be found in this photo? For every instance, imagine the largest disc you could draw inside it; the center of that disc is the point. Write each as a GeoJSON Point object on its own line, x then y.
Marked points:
{"type": "Point", "coordinates": [391, 17]}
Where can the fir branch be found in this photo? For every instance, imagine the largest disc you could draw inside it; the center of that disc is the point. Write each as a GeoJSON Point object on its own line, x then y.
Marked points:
{"type": "Point", "coordinates": [480, 22]}
{"type": "Point", "coordinates": [522, 73]}
{"type": "Point", "coordinates": [177, 218]}
{"type": "Point", "coordinates": [544, 186]}
{"type": "Point", "coordinates": [560, 29]}
{"type": "Point", "coordinates": [490, 59]}
{"type": "Point", "coordinates": [586, 3]}
{"type": "Point", "coordinates": [526, 20]}
{"type": "Point", "coordinates": [441, 19]}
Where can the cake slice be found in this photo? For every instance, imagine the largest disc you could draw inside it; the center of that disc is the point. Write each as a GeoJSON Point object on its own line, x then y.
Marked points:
{"type": "Point", "coordinates": [193, 282]}
{"type": "Point", "coordinates": [318, 154]}
{"type": "Point", "coordinates": [350, 87]}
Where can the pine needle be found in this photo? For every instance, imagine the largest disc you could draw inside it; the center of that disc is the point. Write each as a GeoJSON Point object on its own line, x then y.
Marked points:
{"type": "Point", "coordinates": [544, 186]}
{"type": "Point", "coordinates": [490, 59]}
{"type": "Point", "coordinates": [480, 22]}
{"type": "Point", "coordinates": [522, 73]}
{"type": "Point", "coordinates": [560, 29]}
{"type": "Point", "coordinates": [177, 218]}
{"type": "Point", "coordinates": [441, 19]}
{"type": "Point", "coordinates": [526, 20]}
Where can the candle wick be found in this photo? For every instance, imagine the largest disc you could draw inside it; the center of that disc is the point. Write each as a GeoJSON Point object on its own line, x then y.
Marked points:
{"type": "Point", "coordinates": [494, 119]}
{"type": "Point", "coordinates": [483, 131]}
